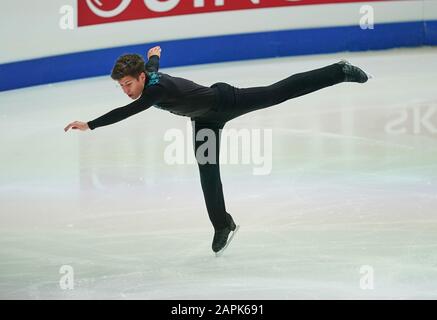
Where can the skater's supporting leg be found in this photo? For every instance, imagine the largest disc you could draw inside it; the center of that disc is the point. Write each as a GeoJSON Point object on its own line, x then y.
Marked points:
{"type": "Point", "coordinates": [208, 162]}
{"type": "Point", "coordinates": [250, 99]}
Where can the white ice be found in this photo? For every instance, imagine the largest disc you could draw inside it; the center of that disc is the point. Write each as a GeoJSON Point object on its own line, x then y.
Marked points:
{"type": "Point", "coordinates": [349, 205]}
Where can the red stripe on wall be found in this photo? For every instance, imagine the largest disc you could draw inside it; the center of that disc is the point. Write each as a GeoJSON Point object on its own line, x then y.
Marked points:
{"type": "Point", "coordinates": [92, 12]}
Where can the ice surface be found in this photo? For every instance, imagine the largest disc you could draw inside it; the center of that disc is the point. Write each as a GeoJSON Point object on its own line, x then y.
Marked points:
{"type": "Point", "coordinates": [353, 183]}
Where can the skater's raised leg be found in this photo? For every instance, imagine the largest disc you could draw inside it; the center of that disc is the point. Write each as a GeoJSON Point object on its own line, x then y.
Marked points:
{"type": "Point", "coordinates": [250, 99]}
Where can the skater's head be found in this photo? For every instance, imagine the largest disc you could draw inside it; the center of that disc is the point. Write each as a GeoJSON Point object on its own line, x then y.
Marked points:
{"type": "Point", "coordinates": [129, 72]}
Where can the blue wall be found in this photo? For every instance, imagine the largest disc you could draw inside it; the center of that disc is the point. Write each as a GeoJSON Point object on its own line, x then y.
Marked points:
{"type": "Point", "coordinates": [222, 48]}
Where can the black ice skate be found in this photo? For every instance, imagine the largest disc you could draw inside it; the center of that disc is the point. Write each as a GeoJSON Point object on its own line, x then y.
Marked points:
{"type": "Point", "coordinates": [353, 74]}
{"type": "Point", "coordinates": [221, 241]}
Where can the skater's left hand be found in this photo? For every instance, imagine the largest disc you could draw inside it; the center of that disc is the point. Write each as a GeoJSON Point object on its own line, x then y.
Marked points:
{"type": "Point", "coordinates": [82, 126]}
{"type": "Point", "coordinates": [155, 51]}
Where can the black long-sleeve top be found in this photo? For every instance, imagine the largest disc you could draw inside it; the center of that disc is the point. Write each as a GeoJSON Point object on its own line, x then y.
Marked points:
{"type": "Point", "coordinates": [177, 95]}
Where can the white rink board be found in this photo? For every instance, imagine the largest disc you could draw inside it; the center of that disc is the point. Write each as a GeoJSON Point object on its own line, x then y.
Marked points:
{"type": "Point", "coordinates": [37, 32]}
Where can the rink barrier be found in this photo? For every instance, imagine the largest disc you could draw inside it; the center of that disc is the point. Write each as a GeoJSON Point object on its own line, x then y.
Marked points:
{"type": "Point", "coordinates": [221, 49]}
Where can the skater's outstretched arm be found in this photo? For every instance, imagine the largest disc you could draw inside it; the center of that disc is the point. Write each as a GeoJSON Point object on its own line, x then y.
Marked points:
{"type": "Point", "coordinates": [153, 55]}
{"type": "Point", "coordinates": [129, 72]}
{"type": "Point", "coordinates": [147, 100]}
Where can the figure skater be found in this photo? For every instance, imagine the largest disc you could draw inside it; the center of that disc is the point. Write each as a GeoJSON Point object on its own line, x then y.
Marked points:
{"type": "Point", "coordinates": [209, 108]}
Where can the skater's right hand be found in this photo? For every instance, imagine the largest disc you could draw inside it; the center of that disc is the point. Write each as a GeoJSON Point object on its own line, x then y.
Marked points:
{"type": "Point", "coordinates": [82, 126]}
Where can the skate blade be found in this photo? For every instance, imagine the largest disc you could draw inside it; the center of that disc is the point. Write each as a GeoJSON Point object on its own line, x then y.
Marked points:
{"type": "Point", "coordinates": [219, 253]}
{"type": "Point", "coordinates": [369, 75]}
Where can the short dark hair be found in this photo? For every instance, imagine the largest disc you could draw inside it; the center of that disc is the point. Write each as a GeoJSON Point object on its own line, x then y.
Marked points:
{"type": "Point", "coordinates": [130, 64]}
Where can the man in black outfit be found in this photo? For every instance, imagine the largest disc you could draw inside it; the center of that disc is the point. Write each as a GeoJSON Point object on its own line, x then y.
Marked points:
{"type": "Point", "coordinates": [209, 108]}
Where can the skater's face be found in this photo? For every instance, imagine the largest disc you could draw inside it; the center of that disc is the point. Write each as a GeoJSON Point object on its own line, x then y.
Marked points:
{"type": "Point", "coordinates": [132, 86]}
